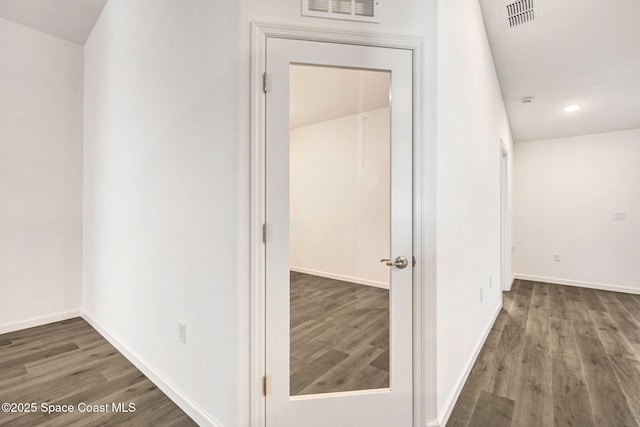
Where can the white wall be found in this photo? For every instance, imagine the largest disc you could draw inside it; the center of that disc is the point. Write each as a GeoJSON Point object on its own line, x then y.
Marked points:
{"type": "Point", "coordinates": [161, 199]}
{"type": "Point", "coordinates": [40, 177]}
{"type": "Point", "coordinates": [471, 122]}
{"type": "Point", "coordinates": [167, 114]}
{"type": "Point", "coordinates": [339, 198]}
{"type": "Point", "coordinates": [566, 193]}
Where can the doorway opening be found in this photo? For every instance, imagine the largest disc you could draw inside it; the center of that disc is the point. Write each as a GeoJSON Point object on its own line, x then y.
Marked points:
{"type": "Point", "coordinates": [505, 231]}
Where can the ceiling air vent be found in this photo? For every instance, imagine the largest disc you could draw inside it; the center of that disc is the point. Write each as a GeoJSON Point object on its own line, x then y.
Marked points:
{"type": "Point", "coordinates": [520, 12]}
{"type": "Point", "coordinates": [350, 10]}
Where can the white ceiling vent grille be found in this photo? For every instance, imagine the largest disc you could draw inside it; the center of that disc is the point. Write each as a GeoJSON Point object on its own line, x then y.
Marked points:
{"type": "Point", "coordinates": [520, 12]}
{"type": "Point", "coordinates": [350, 10]}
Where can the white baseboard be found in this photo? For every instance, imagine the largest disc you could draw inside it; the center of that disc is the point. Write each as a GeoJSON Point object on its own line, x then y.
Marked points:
{"type": "Point", "coordinates": [510, 285]}
{"type": "Point", "coordinates": [38, 321]}
{"type": "Point", "coordinates": [350, 279]}
{"type": "Point", "coordinates": [453, 396]}
{"type": "Point", "coordinates": [590, 285]}
{"type": "Point", "coordinates": [199, 415]}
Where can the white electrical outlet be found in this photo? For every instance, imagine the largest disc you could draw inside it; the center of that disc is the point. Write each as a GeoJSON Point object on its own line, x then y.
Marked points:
{"type": "Point", "coordinates": [490, 282]}
{"type": "Point", "coordinates": [481, 294]}
{"type": "Point", "coordinates": [182, 332]}
{"type": "Point", "coordinates": [556, 257]}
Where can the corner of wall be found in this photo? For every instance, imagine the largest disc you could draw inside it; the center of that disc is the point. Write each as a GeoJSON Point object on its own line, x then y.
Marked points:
{"type": "Point", "coordinates": [38, 321]}
{"type": "Point", "coordinates": [192, 409]}
{"type": "Point", "coordinates": [445, 412]}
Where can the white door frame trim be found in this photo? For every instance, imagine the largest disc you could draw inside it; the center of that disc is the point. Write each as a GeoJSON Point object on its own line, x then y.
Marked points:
{"type": "Point", "coordinates": [506, 254]}
{"type": "Point", "coordinates": [260, 33]}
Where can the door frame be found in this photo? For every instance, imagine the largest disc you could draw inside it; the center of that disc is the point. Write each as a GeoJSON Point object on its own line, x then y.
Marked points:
{"type": "Point", "coordinates": [506, 256]}
{"type": "Point", "coordinates": [260, 33]}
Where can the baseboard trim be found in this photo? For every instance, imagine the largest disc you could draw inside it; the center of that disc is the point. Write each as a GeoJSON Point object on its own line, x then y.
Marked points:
{"type": "Point", "coordinates": [199, 415]}
{"type": "Point", "coordinates": [453, 396]}
{"type": "Point", "coordinates": [433, 423]}
{"type": "Point", "coordinates": [590, 285]}
{"type": "Point", "coordinates": [350, 279]}
{"type": "Point", "coordinates": [38, 321]}
{"type": "Point", "coordinates": [510, 284]}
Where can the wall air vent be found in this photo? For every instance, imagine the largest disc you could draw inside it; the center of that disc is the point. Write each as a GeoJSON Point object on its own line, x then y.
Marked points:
{"type": "Point", "coordinates": [520, 12]}
{"type": "Point", "coordinates": [349, 10]}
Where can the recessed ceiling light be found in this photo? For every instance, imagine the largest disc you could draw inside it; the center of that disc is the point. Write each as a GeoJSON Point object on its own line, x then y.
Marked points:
{"type": "Point", "coordinates": [571, 108]}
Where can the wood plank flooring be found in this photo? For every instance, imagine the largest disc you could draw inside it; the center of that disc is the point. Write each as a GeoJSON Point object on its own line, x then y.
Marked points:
{"type": "Point", "coordinates": [556, 356]}
{"type": "Point", "coordinates": [339, 336]}
{"type": "Point", "coordinates": [69, 363]}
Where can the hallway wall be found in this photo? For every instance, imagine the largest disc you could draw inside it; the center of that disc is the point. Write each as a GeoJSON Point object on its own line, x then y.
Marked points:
{"type": "Point", "coordinates": [40, 177]}
{"type": "Point", "coordinates": [161, 199]}
{"type": "Point", "coordinates": [166, 188]}
{"type": "Point", "coordinates": [567, 192]}
{"type": "Point", "coordinates": [471, 122]}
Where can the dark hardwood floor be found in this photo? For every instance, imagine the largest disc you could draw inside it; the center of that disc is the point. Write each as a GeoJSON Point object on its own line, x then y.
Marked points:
{"type": "Point", "coordinates": [557, 356]}
{"type": "Point", "coordinates": [339, 336]}
{"type": "Point", "coordinates": [69, 363]}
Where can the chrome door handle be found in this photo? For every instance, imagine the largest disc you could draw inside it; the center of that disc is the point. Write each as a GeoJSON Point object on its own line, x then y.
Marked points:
{"type": "Point", "coordinates": [400, 262]}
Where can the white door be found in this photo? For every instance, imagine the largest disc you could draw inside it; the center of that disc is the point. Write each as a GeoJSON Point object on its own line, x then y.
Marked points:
{"type": "Point", "coordinates": [345, 360]}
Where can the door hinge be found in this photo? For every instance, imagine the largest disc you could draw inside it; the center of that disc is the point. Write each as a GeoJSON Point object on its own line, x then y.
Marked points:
{"type": "Point", "coordinates": [265, 82]}
{"type": "Point", "coordinates": [264, 233]}
{"type": "Point", "coordinates": [264, 385]}
{"type": "Point", "coordinates": [413, 263]}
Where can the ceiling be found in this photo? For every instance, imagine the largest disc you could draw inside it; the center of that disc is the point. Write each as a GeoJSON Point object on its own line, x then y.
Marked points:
{"type": "Point", "coordinates": [320, 93]}
{"type": "Point", "coordinates": [71, 20]}
{"type": "Point", "coordinates": [575, 52]}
